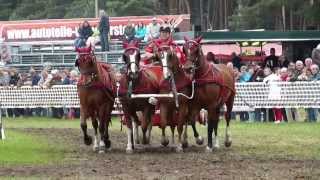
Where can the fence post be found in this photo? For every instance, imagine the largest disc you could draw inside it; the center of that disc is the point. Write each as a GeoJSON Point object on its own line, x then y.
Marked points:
{"type": "Point", "coordinates": [2, 135]}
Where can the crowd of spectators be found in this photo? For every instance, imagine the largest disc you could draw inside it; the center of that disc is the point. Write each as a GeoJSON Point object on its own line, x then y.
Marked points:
{"type": "Point", "coordinates": [9, 76]}
{"type": "Point", "coordinates": [274, 68]}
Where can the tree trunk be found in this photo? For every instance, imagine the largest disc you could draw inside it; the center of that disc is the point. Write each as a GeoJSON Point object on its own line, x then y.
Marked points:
{"type": "Point", "coordinates": [283, 9]}
{"type": "Point", "coordinates": [221, 19]}
{"type": "Point", "coordinates": [225, 14]}
{"type": "Point", "coordinates": [291, 19]}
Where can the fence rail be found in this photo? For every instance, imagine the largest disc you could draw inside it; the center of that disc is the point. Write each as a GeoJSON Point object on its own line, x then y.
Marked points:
{"type": "Point", "coordinates": [249, 96]}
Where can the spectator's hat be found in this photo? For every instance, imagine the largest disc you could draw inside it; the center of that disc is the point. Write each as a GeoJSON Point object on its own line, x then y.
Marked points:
{"type": "Point", "coordinates": [318, 47]}
{"type": "Point", "coordinates": [154, 19]}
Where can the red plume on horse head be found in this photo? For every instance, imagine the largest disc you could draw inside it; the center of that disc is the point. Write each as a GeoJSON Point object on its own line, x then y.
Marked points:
{"type": "Point", "coordinates": [131, 44]}
{"type": "Point", "coordinates": [84, 49]}
{"type": "Point", "coordinates": [198, 39]}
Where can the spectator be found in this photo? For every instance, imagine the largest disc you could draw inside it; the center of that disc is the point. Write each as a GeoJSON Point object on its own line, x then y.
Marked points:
{"type": "Point", "coordinates": [236, 60]}
{"type": "Point", "coordinates": [74, 77]}
{"type": "Point", "coordinates": [257, 75]}
{"type": "Point", "coordinates": [297, 71]}
{"type": "Point", "coordinates": [271, 61]}
{"type": "Point", "coordinates": [35, 78]}
{"type": "Point", "coordinates": [129, 32]}
{"type": "Point", "coordinates": [211, 58]}
{"type": "Point", "coordinates": [104, 28]}
{"type": "Point", "coordinates": [286, 112]}
{"type": "Point", "coordinates": [244, 77]}
{"type": "Point", "coordinates": [308, 62]}
{"type": "Point", "coordinates": [283, 61]}
{"type": "Point", "coordinates": [14, 78]}
{"type": "Point", "coordinates": [85, 31]}
{"type": "Point", "coordinates": [4, 78]}
{"type": "Point", "coordinates": [141, 31]}
{"type": "Point", "coordinates": [153, 30]}
{"type": "Point", "coordinates": [316, 55]}
{"type": "Point", "coordinates": [66, 77]}
{"type": "Point", "coordinates": [315, 75]}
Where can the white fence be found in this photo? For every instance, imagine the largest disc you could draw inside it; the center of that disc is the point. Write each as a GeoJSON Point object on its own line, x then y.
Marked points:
{"type": "Point", "coordinates": [249, 95]}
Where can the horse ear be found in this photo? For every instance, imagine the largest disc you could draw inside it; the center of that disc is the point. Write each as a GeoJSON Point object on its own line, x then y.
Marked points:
{"type": "Point", "coordinates": [76, 64]}
{"type": "Point", "coordinates": [136, 44]}
{"type": "Point", "coordinates": [198, 40]}
{"type": "Point", "coordinates": [186, 39]}
{"type": "Point", "coordinates": [125, 45]}
{"type": "Point", "coordinates": [124, 58]}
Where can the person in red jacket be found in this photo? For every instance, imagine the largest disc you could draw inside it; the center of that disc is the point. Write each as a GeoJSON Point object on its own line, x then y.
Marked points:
{"type": "Point", "coordinates": [164, 39]}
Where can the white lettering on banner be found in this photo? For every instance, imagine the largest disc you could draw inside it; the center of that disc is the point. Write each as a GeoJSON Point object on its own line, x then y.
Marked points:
{"type": "Point", "coordinates": [37, 33]}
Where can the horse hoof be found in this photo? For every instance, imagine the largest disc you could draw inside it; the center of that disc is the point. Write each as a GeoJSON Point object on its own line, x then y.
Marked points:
{"type": "Point", "coordinates": [199, 140]}
{"type": "Point", "coordinates": [165, 142]}
{"type": "Point", "coordinates": [216, 146]}
{"type": "Point", "coordinates": [179, 149]}
{"type": "Point", "coordinates": [227, 143]}
{"type": "Point", "coordinates": [129, 151]}
{"type": "Point", "coordinates": [185, 144]}
{"type": "Point", "coordinates": [209, 149]}
{"type": "Point", "coordinates": [108, 149]}
{"type": "Point", "coordinates": [101, 151]}
{"type": "Point", "coordinates": [95, 148]}
{"type": "Point", "coordinates": [137, 142]}
{"type": "Point", "coordinates": [88, 140]}
{"type": "Point", "coordinates": [107, 144]}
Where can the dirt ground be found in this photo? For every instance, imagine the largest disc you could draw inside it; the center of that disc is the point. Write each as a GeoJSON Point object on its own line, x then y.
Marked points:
{"type": "Point", "coordinates": [157, 162]}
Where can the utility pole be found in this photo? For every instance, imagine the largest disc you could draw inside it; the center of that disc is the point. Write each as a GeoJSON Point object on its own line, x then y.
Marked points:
{"type": "Point", "coordinates": [96, 8]}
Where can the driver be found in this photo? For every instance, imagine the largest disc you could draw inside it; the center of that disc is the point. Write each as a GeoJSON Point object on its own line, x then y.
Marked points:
{"type": "Point", "coordinates": [165, 38]}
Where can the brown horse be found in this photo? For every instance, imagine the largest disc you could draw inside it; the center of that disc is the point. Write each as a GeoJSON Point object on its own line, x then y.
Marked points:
{"type": "Point", "coordinates": [215, 86]}
{"type": "Point", "coordinates": [96, 89]}
{"type": "Point", "coordinates": [137, 80]}
{"type": "Point", "coordinates": [178, 82]}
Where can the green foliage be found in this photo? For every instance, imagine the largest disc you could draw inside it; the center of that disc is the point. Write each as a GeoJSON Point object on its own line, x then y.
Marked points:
{"type": "Point", "coordinates": [268, 14]}
{"type": "Point", "coordinates": [130, 7]}
{"type": "Point", "coordinates": [54, 9]}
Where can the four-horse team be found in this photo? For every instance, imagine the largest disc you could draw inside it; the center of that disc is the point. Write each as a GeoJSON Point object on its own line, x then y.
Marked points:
{"type": "Point", "coordinates": [177, 81]}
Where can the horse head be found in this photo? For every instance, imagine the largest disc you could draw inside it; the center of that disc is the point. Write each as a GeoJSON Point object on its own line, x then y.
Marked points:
{"type": "Point", "coordinates": [86, 61]}
{"type": "Point", "coordinates": [168, 59]}
{"type": "Point", "coordinates": [192, 50]}
{"type": "Point", "coordinates": [131, 57]}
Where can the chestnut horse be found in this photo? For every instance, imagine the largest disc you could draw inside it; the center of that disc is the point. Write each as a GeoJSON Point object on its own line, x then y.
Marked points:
{"type": "Point", "coordinates": [96, 90]}
{"type": "Point", "coordinates": [178, 82]}
{"type": "Point", "coordinates": [215, 86]}
{"type": "Point", "coordinates": [137, 80]}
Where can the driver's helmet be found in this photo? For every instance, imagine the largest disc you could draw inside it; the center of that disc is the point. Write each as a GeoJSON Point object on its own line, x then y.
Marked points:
{"type": "Point", "coordinates": [165, 28]}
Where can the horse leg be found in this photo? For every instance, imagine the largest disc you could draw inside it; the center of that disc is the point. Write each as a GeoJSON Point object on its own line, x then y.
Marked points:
{"type": "Point", "coordinates": [102, 128]}
{"type": "Point", "coordinates": [95, 125]}
{"type": "Point", "coordinates": [198, 138]}
{"type": "Point", "coordinates": [150, 126]}
{"type": "Point", "coordinates": [130, 146]}
{"type": "Point", "coordinates": [215, 127]}
{"type": "Point", "coordinates": [211, 114]}
{"type": "Point", "coordinates": [83, 123]}
{"type": "Point", "coordinates": [135, 127]}
{"type": "Point", "coordinates": [182, 113]}
{"type": "Point", "coordinates": [172, 127]}
{"type": "Point", "coordinates": [108, 120]}
{"type": "Point", "coordinates": [229, 104]}
{"type": "Point", "coordinates": [145, 124]}
{"type": "Point", "coordinates": [164, 117]}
